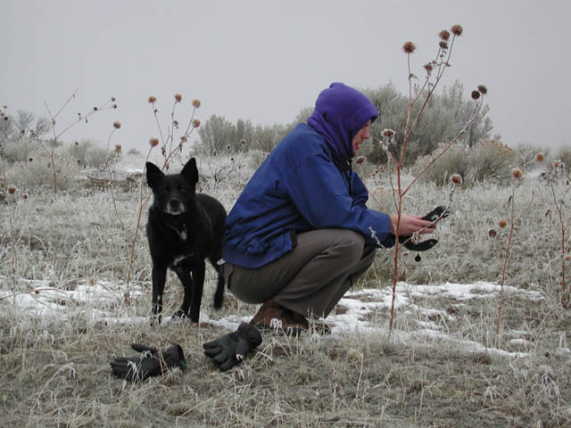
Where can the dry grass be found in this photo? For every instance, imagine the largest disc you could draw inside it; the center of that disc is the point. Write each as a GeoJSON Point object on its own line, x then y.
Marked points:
{"type": "Point", "coordinates": [56, 373]}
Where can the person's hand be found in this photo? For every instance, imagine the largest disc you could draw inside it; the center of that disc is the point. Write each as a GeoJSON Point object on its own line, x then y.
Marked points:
{"type": "Point", "coordinates": [150, 362]}
{"type": "Point", "coordinates": [432, 218]}
{"type": "Point", "coordinates": [230, 349]}
{"type": "Point", "coordinates": [410, 224]}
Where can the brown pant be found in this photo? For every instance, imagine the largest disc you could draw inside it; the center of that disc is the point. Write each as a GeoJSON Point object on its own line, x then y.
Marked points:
{"type": "Point", "coordinates": [310, 279]}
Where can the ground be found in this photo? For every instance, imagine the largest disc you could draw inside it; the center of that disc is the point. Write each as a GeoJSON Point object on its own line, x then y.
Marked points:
{"type": "Point", "coordinates": [465, 350]}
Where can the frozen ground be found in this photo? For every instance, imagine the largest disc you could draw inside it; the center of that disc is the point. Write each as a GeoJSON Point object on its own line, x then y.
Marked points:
{"type": "Point", "coordinates": [358, 312]}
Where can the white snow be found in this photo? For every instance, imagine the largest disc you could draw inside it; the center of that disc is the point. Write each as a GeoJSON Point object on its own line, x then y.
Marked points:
{"type": "Point", "coordinates": [361, 312]}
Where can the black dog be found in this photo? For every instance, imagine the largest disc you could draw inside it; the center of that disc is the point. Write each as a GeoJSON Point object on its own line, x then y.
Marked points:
{"type": "Point", "coordinates": [184, 229]}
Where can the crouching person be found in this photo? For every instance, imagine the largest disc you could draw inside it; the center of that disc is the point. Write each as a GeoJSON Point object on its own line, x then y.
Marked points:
{"type": "Point", "coordinates": [300, 234]}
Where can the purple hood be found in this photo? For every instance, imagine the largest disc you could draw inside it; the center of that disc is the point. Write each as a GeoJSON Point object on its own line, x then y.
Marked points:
{"type": "Point", "coordinates": [340, 112]}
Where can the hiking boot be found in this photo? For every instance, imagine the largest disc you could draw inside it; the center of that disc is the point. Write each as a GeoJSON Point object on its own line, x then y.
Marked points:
{"type": "Point", "coordinates": [275, 318]}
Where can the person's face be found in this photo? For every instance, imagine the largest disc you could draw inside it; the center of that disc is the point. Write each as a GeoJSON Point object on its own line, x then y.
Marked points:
{"type": "Point", "coordinates": [363, 134]}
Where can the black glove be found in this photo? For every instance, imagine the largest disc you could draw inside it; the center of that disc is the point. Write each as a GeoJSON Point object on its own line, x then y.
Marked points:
{"type": "Point", "coordinates": [230, 349]}
{"type": "Point", "coordinates": [434, 216]}
{"type": "Point", "coordinates": [150, 362]}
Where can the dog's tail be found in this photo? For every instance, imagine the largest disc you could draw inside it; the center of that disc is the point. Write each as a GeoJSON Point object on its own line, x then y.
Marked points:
{"type": "Point", "coordinates": [219, 294]}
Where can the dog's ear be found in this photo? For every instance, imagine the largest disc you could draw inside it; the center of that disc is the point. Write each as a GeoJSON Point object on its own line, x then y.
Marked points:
{"type": "Point", "coordinates": [190, 172]}
{"type": "Point", "coordinates": [154, 174]}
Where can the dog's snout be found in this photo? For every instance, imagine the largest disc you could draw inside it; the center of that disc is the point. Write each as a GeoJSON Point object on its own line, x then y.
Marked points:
{"type": "Point", "coordinates": [175, 206]}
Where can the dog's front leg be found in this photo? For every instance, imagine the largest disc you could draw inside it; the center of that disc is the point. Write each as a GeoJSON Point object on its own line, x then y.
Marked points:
{"type": "Point", "coordinates": [186, 280]}
{"type": "Point", "coordinates": [197, 286]}
{"type": "Point", "coordinates": [159, 276]}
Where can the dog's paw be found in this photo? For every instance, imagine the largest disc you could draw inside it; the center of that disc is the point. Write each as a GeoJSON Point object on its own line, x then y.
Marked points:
{"type": "Point", "coordinates": [179, 317]}
{"type": "Point", "coordinates": [155, 320]}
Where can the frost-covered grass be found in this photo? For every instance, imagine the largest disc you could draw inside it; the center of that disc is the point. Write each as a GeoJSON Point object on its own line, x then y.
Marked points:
{"type": "Point", "coordinates": [66, 310]}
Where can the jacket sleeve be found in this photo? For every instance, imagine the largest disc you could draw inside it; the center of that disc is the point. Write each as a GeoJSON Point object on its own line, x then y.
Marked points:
{"type": "Point", "coordinates": [321, 195]}
{"type": "Point", "coordinates": [359, 192]}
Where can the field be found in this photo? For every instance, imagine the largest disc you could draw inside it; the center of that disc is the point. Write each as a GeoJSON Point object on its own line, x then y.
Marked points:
{"type": "Point", "coordinates": [480, 339]}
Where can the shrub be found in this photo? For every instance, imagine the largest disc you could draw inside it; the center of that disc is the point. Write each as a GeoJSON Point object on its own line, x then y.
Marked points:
{"type": "Point", "coordinates": [38, 172]}
{"type": "Point", "coordinates": [489, 160]}
{"type": "Point", "coordinates": [88, 155]}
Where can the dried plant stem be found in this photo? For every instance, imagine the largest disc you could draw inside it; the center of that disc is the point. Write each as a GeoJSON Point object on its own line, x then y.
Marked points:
{"type": "Point", "coordinates": [396, 253]}
{"type": "Point", "coordinates": [564, 289]}
{"type": "Point", "coordinates": [507, 258]}
{"type": "Point", "coordinates": [142, 203]}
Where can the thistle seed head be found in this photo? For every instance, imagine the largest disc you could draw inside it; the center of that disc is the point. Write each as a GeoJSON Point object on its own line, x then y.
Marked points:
{"type": "Point", "coordinates": [457, 30]}
{"type": "Point", "coordinates": [118, 148]}
{"type": "Point", "coordinates": [409, 47]}
{"type": "Point", "coordinates": [475, 95]}
{"type": "Point", "coordinates": [483, 89]}
{"type": "Point", "coordinates": [444, 35]}
{"type": "Point", "coordinates": [388, 132]}
{"type": "Point", "coordinates": [517, 173]}
{"type": "Point", "coordinates": [443, 44]}
{"type": "Point", "coordinates": [492, 233]}
{"type": "Point", "coordinates": [117, 124]}
{"type": "Point", "coordinates": [456, 179]}
{"type": "Point", "coordinates": [539, 157]}
{"type": "Point", "coordinates": [154, 142]}
{"type": "Point", "coordinates": [195, 123]}
{"type": "Point", "coordinates": [11, 190]}
{"type": "Point", "coordinates": [502, 224]}
{"type": "Point", "coordinates": [152, 100]}
{"type": "Point", "coordinates": [196, 103]}
{"type": "Point", "coordinates": [178, 98]}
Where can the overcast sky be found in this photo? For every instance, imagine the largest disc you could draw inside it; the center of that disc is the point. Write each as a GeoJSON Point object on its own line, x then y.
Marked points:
{"type": "Point", "coordinates": [264, 60]}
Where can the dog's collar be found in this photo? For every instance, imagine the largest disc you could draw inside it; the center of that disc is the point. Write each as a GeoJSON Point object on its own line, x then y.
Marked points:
{"type": "Point", "coordinates": [181, 232]}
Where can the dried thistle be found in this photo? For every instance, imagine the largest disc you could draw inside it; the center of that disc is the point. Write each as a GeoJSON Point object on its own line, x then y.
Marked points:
{"type": "Point", "coordinates": [443, 44]}
{"type": "Point", "coordinates": [457, 30]}
{"type": "Point", "coordinates": [154, 142]}
{"type": "Point", "coordinates": [517, 173]}
{"type": "Point", "coordinates": [118, 148]}
{"type": "Point", "coordinates": [387, 132]}
{"type": "Point", "coordinates": [178, 98]}
{"type": "Point", "coordinates": [483, 89]}
{"type": "Point", "coordinates": [428, 67]}
{"type": "Point", "coordinates": [539, 157]}
{"type": "Point", "coordinates": [475, 95]}
{"type": "Point", "coordinates": [444, 35]}
{"type": "Point", "coordinates": [183, 139]}
{"type": "Point", "coordinates": [492, 233]}
{"type": "Point", "coordinates": [409, 47]}
{"type": "Point", "coordinates": [117, 124]}
{"type": "Point", "coordinates": [11, 190]}
{"type": "Point", "coordinates": [196, 103]}
{"type": "Point", "coordinates": [195, 123]}
{"type": "Point", "coordinates": [152, 99]}
{"type": "Point", "coordinates": [502, 224]}
{"type": "Point", "coordinates": [456, 179]}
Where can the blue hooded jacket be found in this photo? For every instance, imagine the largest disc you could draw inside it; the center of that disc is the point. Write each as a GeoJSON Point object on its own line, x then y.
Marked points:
{"type": "Point", "coordinates": [306, 183]}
